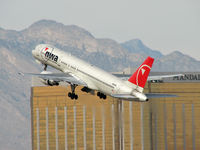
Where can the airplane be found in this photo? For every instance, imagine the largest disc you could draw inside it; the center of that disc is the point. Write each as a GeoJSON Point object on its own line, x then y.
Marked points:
{"type": "Point", "coordinates": [77, 72]}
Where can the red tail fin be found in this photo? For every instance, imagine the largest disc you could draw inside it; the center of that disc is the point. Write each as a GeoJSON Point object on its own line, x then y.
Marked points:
{"type": "Point", "coordinates": [139, 78]}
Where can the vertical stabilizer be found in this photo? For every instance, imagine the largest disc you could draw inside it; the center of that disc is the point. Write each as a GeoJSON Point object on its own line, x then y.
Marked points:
{"type": "Point", "coordinates": [139, 78]}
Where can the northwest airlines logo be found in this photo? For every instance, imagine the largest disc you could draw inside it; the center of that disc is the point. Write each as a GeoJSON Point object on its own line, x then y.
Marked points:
{"type": "Point", "coordinates": [143, 69]}
{"type": "Point", "coordinates": [51, 56]}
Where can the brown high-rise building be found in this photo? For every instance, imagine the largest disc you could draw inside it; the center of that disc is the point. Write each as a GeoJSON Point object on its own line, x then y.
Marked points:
{"type": "Point", "coordinates": [59, 123]}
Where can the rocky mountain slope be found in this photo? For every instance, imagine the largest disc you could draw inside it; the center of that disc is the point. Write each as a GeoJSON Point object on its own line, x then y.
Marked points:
{"type": "Point", "coordinates": [136, 46]}
{"type": "Point", "coordinates": [15, 56]}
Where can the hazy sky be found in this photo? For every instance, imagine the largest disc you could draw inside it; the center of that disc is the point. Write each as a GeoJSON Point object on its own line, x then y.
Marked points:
{"type": "Point", "coordinates": [165, 25]}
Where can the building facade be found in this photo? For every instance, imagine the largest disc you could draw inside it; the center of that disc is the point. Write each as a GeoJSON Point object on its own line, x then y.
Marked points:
{"type": "Point", "coordinates": [59, 123]}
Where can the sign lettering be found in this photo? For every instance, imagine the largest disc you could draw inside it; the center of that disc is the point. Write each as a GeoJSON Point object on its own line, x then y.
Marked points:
{"type": "Point", "coordinates": [188, 77]}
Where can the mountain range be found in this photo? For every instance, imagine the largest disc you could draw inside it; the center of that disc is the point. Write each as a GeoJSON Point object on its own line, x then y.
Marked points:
{"type": "Point", "coordinates": [15, 56]}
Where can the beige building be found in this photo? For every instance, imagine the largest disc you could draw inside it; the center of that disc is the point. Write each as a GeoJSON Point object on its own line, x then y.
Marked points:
{"type": "Point", "coordinates": [59, 123]}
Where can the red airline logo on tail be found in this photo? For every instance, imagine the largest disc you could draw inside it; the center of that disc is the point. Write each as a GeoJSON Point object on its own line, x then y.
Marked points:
{"type": "Point", "coordinates": [139, 78]}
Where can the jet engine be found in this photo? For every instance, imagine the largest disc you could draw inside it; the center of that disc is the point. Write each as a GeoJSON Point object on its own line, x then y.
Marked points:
{"type": "Point", "coordinates": [52, 82]}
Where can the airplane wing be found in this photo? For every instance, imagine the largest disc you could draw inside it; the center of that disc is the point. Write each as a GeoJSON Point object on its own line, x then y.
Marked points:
{"type": "Point", "coordinates": [59, 77]}
{"type": "Point", "coordinates": [134, 98]}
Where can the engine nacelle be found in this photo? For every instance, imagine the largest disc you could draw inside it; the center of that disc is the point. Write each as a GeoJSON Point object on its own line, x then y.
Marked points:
{"type": "Point", "coordinates": [52, 82]}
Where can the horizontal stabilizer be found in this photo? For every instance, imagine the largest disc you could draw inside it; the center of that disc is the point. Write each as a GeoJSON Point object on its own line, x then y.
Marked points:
{"type": "Point", "coordinates": [158, 95]}
{"type": "Point", "coordinates": [124, 96]}
{"type": "Point", "coordinates": [134, 98]}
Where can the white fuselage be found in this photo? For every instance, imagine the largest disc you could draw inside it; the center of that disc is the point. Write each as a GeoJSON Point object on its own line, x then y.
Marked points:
{"type": "Point", "coordinates": [94, 77]}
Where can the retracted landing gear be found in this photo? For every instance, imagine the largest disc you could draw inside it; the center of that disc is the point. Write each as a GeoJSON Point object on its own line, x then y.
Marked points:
{"type": "Point", "coordinates": [72, 94]}
{"type": "Point", "coordinates": [101, 95]}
